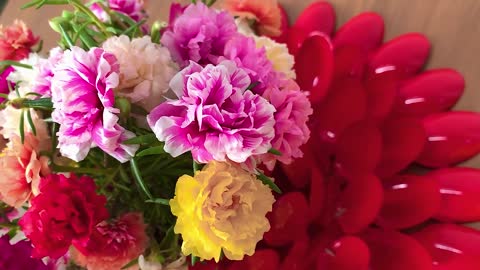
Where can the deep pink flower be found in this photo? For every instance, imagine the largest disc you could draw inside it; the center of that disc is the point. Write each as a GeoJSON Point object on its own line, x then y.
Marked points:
{"type": "Point", "coordinates": [113, 245]}
{"type": "Point", "coordinates": [83, 97]}
{"type": "Point", "coordinates": [43, 81]}
{"type": "Point", "coordinates": [131, 8]}
{"type": "Point", "coordinates": [4, 83]}
{"type": "Point", "coordinates": [291, 131]}
{"type": "Point", "coordinates": [244, 52]}
{"type": "Point", "coordinates": [176, 10]}
{"type": "Point", "coordinates": [199, 35]}
{"type": "Point", "coordinates": [16, 41]}
{"type": "Point", "coordinates": [18, 256]}
{"type": "Point", "coordinates": [214, 117]}
{"type": "Point", "coordinates": [65, 211]}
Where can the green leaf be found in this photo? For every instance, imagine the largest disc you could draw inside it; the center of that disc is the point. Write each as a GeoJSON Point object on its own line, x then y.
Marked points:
{"type": "Point", "coordinates": [40, 3]}
{"type": "Point", "coordinates": [159, 201]}
{"type": "Point", "coordinates": [144, 139]}
{"type": "Point", "coordinates": [65, 36]}
{"type": "Point", "coordinates": [84, 36]}
{"type": "Point", "coordinates": [22, 126]}
{"type": "Point", "coordinates": [269, 182]}
{"type": "Point", "coordinates": [194, 260]}
{"type": "Point", "coordinates": [40, 103]}
{"type": "Point", "coordinates": [81, 7]}
{"type": "Point", "coordinates": [274, 152]}
{"type": "Point", "coordinates": [130, 264]}
{"type": "Point", "coordinates": [30, 123]}
{"type": "Point", "coordinates": [252, 85]}
{"type": "Point", "coordinates": [138, 177]}
{"type": "Point", "coordinates": [133, 29]}
{"type": "Point", "coordinates": [196, 166]}
{"type": "Point", "coordinates": [156, 150]}
{"type": "Point", "coordinates": [7, 63]}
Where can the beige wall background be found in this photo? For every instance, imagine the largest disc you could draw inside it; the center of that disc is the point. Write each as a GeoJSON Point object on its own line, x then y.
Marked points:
{"type": "Point", "coordinates": [452, 26]}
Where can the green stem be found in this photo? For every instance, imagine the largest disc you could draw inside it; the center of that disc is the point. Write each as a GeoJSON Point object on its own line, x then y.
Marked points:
{"type": "Point", "coordinates": [94, 171]}
{"type": "Point", "coordinates": [138, 177]}
{"type": "Point", "coordinates": [81, 7]}
{"type": "Point", "coordinates": [15, 64]}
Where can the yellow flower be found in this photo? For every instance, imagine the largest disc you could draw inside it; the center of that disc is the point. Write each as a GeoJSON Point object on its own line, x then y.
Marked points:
{"type": "Point", "coordinates": [222, 207]}
{"type": "Point", "coordinates": [278, 54]}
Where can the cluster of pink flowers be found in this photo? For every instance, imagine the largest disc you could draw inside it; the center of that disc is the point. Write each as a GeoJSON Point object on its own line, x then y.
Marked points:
{"type": "Point", "coordinates": [232, 104]}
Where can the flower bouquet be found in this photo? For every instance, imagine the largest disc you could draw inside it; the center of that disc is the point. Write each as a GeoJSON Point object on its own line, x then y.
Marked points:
{"type": "Point", "coordinates": [227, 138]}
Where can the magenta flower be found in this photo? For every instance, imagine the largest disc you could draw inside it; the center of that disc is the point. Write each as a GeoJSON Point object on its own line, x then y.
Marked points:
{"type": "Point", "coordinates": [215, 116]}
{"type": "Point", "coordinates": [83, 99]}
{"type": "Point", "coordinates": [4, 83]}
{"type": "Point", "coordinates": [199, 35]}
{"type": "Point", "coordinates": [43, 80]}
{"type": "Point", "coordinates": [18, 256]}
{"type": "Point", "coordinates": [243, 51]}
{"type": "Point", "coordinates": [291, 130]}
{"type": "Point", "coordinates": [131, 8]}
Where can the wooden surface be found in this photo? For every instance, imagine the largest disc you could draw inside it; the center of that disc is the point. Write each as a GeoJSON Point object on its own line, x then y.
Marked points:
{"type": "Point", "coordinates": [452, 26]}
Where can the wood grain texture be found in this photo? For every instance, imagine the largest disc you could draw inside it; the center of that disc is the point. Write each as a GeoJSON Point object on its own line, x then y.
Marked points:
{"type": "Point", "coordinates": [452, 26]}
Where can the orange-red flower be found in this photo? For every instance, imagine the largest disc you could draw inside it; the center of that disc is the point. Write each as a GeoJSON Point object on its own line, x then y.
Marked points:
{"type": "Point", "coordinates": [16, 41]}
{"type": "Point", "coordinates": [266, 14]}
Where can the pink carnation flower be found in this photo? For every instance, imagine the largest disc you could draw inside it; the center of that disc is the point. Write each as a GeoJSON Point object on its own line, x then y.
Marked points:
{"type": "Point", "coordinates": [42, 82]}
{"type": "Point", "coordinates": [199, 35]}
{"type": "Point", "coordinates": [83, 97]}
{"type": "Point", "coordinates": [131, 8]}
{"type": "Point", "coordinates": [22, 168]}
{"type": "Point", "coordinates": [113, 245]}
{"type": "Point", "coordinates": [214, 117]}
{"type": "Point", "coordinates": [291, 130]}
{"type": "Point", "coordinates": [244, 52]}
{"type": "Point", "coordinates": [66, 210]}
{"type": "Point", "coordinates": [4, 89]}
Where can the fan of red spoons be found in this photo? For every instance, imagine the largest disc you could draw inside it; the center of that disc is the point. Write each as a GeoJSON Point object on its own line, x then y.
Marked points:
{"type": "Point", "coordinates": [377, 187]}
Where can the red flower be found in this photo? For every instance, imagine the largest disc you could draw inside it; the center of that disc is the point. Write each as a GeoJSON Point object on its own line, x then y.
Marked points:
{"type": "Point", "coordinates": [355, 200]}
{"type": "Point", "coordinates": [113, 245]}
{"type": "Point", "coordinates": [65, 211]}
{"type": "Point", "coordinates": [16, 41]}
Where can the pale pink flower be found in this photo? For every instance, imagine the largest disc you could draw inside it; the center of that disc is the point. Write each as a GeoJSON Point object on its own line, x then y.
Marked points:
{"type": "Point", "coordinates": [113, 245]}
{"type": "Point", "coordinates": [215, 117]}
{"type": "Point", "coordinates": [83, 98]}
{"type": "Point", "coordinates": [42, 82]}
{"type": "Point", "coordinates": [10, 125]}
{"type": "Point", "coordinates": [25, 77]}
{"type": "Point", "coordinates": [291, 130]}
{"type": "Point", "coordinates": [146, 69]}
{"type": "Point", "coordinates": [22, 168]}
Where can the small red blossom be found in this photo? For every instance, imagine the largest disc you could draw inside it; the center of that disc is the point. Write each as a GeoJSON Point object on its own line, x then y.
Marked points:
{"type": "Point", "coordinates": [113, 245]}
{"type": "Point", "coordinates": [66, 211]}
{"type": "Point", "coordinates": [16, 41]}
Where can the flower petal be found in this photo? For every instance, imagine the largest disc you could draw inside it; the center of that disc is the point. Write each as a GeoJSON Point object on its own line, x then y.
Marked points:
{"type": "Point", "coordinates": [452, 137]}
{"type": "Point", "coordinates": [364, 31]}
